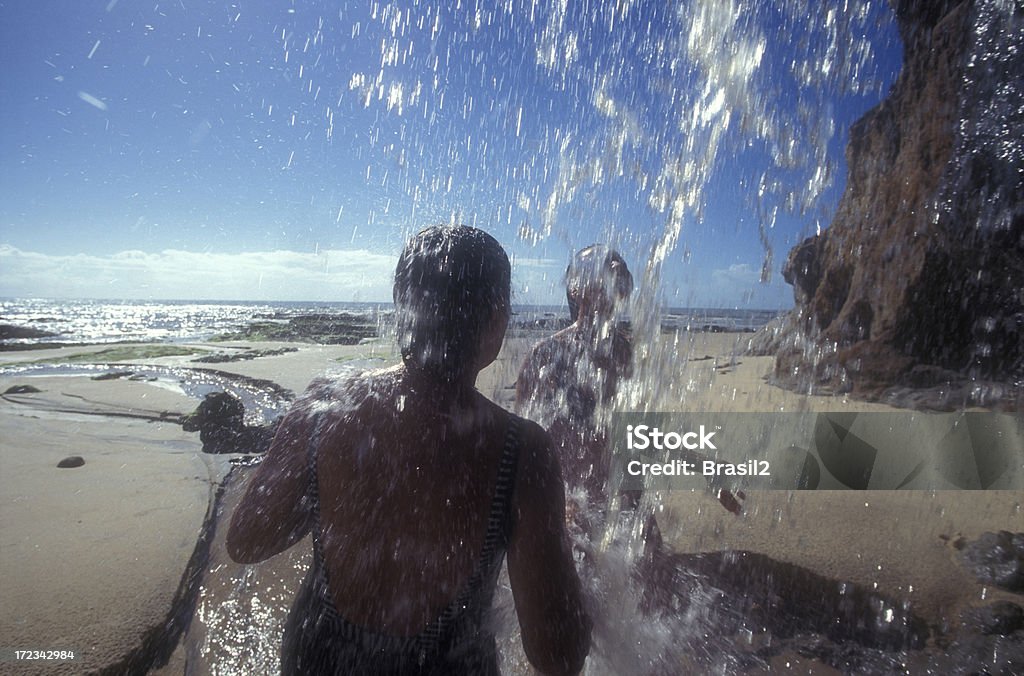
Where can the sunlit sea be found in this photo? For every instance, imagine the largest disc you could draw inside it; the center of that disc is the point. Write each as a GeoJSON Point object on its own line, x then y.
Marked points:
{"type": "Point", "coordinates": [109, 321]}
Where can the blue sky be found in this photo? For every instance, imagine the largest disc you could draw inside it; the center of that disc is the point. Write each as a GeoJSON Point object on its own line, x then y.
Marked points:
{"type": "Point", "coordinates": [284, 150]}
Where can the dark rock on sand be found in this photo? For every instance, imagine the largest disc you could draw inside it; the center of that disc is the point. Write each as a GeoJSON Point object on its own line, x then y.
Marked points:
{"type": "Point", "coordinates": [13, 332]}
{"type": "Point", "coordinates": [71, 461]}
{"type": "Point", "coordinates": [1001, 618]}
{"type": "Point", "coordinates": [113, 375]}
{"type": "Point", "coordinates": [921, 273]}
{"type": "Point", "coordinates": [220, 421]}
{"type": "Point", "coordinates": [22, 389]}
{"type": "Point", "coordinates": [848, 658]}
{"type": "Point", "coordinates": [976, 655]}
{"type": "Point", "coordinates": [758, 593]}
{"type": "Point", "coordinates": [998, 559]}
{"type": "Point", "coordinates": [548, 322]}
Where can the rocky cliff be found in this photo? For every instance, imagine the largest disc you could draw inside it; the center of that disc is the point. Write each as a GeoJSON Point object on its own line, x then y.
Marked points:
{"type": "Point", "coordinates": [919, 280]}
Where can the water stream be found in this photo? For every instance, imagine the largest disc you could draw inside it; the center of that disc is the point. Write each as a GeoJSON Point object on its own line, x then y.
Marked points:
{"type": "Point", "coordinates": [700, 138]}
{"type": "Point", "coordinates": [689, 135]}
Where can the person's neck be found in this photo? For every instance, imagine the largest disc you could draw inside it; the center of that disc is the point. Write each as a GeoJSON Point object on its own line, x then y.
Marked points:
{"type": "Point", "coordinates": [425, 384]}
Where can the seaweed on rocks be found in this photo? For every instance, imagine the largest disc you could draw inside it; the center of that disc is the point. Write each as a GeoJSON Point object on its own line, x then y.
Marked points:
{"type": "Point", "coordinates": [327, 329]}
{"type": "Point", "coordinates": [221, 358]}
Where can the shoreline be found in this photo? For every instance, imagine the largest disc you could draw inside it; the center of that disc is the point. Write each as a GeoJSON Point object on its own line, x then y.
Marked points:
{"type": "Point", "coordinates": [827, 532]}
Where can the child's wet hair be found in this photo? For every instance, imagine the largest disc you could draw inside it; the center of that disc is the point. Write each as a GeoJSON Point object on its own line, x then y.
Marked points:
{"type": "Point", "coordinates": [449, 284]}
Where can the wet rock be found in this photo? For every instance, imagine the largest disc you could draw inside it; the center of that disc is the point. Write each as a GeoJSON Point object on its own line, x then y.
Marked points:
{"type": "Point", "coordinates": [849, 658]}
{"type": "Point", "coordinates": [12, 332]}
{"type": "Point", "coordinates": [919, 279]}
{"type": "Point", "coordinates": [1001, 618]}
{"type": "Point", "coordinates": [997, 559]}
{"type": "Point", "coordinates": [113, 375]}
{"type": "Point", "coordinates": [767, 340]}
{"type": "Point", "coordinates": [220, 421]}
{"type": "Point", "coordinates": [245, 355]}
{"type": "Point", "coordinates": [758, 593]}
{"type": "Point", "coordinates": [71, 461]}
{"type": "Point", "coordinates": [978, 655]}
{"type": "Point", "coordinates": [22, 389]}
{"type": "Point", "coordinates": [548, 322]}
{"type": "Point", "coordinates": [922, 375]}
{"type": "Point", "coordinates": [340, 328]}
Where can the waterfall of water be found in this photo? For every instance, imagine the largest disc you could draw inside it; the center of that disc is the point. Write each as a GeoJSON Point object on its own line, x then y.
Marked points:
{"type": "Point", "coordinates": [625, 123]}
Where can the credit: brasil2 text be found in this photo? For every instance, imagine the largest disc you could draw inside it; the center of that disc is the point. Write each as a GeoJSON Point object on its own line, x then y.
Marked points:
{"type": "Point", "coordinates": [706, 467]}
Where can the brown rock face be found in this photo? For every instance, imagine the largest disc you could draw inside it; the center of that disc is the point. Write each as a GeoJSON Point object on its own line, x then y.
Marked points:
{"type": "Point", "coordinates": [923, 264]}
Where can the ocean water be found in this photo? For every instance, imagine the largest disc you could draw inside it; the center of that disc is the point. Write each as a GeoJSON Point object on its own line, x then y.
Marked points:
{"type": "Point", "coordinates": [109, 321]}
{"type": "Point", "coordinates": [716, 319]}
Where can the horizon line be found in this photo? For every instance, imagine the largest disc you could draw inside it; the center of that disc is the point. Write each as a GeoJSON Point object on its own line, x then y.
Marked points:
{"type": "Point", "coordinates": [227, 301]}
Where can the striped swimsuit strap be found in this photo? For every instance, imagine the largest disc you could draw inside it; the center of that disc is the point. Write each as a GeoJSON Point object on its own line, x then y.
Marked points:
{"type": "Point", "coordinates": [429, 640]}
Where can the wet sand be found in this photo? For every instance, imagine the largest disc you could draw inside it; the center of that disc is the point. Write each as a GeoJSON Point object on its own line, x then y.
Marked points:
{"type": "Point", "coordinates": [94, 557]}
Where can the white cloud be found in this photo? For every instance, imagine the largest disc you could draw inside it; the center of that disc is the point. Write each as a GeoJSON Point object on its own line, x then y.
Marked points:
{"type": "Point", "coordinates": [737, 273]}
{"type": "Point", "coordinates": [330, 275]}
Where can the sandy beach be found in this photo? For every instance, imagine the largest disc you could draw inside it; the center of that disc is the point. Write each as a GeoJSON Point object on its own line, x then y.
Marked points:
{"type": "Point", "coordinates": [94, 557]}
{"type": "Point", "coordinates": [121, 559]}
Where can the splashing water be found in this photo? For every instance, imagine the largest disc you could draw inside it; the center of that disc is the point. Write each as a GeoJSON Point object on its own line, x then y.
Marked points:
{"type": "Point", "coordinates": [534, 119]}
{"type": "Point", "coordinates": [625, 118]}
{"type": "Point", "coordinates": [538, 118]}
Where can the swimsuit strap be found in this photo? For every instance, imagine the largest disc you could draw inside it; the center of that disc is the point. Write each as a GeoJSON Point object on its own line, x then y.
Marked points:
{"type": "Point", "coordinates": [497, 531]}
{"type": "Point", "coordinates": [314, 495]}
{"type": "Point", "coordinates": [429, 640]}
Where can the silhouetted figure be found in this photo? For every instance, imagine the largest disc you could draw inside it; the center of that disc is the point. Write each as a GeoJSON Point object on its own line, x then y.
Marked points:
{"type": "Point", "coordinates": [569, 379]}
{"type": "Point", "coordinates": [220, 421]}
{"type": "Point", "coordinates": [567, 384]}
{"type": "Point", "coordinates": [414, 486]}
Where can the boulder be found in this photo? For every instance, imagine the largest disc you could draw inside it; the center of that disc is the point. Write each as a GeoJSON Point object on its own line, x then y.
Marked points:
{"type": "Point", "coordinates": [1001, 618]}
{"type": "Point", "coordinates": [14, 332]}
{"type": "Point", "coordinates": [22, 389]}
{"type": "Point", "coordinates": [998, 559]}
{"type": "Point", "coordinates": [921, 272]}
